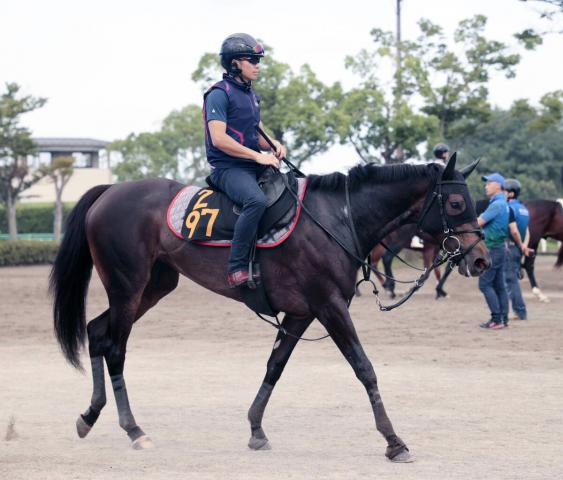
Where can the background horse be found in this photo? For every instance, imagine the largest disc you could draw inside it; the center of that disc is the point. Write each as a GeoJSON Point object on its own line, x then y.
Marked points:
{"type": "Point", "coordinates": [546, 221]}
{"type": "Point", "coordinates": [122, 231]}
{"type": "Point", "coordinates": [398, 240]}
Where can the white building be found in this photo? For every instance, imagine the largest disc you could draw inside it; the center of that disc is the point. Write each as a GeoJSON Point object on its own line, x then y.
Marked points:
{"type": "Point", "coordinates": [91, 167]}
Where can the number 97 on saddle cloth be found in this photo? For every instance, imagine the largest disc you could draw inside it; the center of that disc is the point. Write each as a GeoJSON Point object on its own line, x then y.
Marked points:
{"type": "Point", "coordinates": [211, 216]}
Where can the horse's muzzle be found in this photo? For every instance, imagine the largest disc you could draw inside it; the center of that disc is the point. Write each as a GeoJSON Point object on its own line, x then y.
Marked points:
{"type": "Point", "coordinates": [475, 263]}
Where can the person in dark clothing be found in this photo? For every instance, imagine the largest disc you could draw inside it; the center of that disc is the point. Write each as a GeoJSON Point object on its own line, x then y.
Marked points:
{"type": "Point", "coordinates": [441, 153]}
{"type": "Point", "coordinates": [235, 149]}
{"type": "Point", "coordinates": [517, 245]}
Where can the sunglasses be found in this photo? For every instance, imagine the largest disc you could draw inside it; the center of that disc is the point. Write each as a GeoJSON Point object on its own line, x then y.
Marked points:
{"type": "Point", "coordinates": [252, 60]}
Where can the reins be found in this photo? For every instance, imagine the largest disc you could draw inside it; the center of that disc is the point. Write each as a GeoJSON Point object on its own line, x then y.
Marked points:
{"type": "Point", "coordinates": [443, 256]}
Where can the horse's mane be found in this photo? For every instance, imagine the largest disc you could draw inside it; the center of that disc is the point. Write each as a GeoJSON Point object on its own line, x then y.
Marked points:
{"type": "Point", "coordinates": [372, 173]}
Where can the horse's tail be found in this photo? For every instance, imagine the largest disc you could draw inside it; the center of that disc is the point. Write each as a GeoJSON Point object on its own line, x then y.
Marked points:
{"type": "Point", "coordinates": [69, 279]}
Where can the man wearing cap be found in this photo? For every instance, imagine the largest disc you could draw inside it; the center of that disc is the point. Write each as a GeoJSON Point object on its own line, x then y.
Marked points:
{"type": "Point", "coordinates": [494, 221]}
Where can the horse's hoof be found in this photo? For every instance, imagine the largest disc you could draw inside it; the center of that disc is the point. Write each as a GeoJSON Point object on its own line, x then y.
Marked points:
{"type": "Point", "coordinates": [142, 443]}
{"type": "Point", "coordinates": [82, 428]}
{"type": "Point", "coordinates": [259, 443]}
{"type": "Point", "coordinates": [540, 295]}
{"type": "Point", "coordinates": [403, 457]}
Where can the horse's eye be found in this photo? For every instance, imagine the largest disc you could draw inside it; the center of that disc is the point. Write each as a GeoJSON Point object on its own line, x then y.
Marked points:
{"type": "Point", "coordinates": [456, 205]}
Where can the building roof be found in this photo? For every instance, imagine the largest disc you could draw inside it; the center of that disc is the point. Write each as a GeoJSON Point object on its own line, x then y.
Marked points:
{"type": "Point", "coordinates": [71, 145]}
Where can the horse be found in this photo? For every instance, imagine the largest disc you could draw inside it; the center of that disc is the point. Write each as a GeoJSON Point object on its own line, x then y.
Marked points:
{"type": "Point", "coordinates": [122, 231]}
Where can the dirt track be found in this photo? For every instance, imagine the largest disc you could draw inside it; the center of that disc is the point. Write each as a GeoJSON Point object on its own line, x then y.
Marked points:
{"type": "Point", "coordinates": [469, 403]}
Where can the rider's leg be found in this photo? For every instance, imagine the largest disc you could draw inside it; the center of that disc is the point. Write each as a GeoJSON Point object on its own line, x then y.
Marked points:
{"type": "Point", "coordinates": [241, 186]}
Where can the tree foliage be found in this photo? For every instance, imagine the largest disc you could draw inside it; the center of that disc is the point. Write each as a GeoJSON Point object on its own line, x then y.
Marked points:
{"type": "Point", "coordinates": [551, 11]}
{"type": "Point", "coordinates": [176, 151]}
{"type": "Point", "coordinates": [524, 142]}
{"type": "Point", "coordinates": [15, 145]}
{"type": "Point", "coordinates": [436, 91]}
{"type": "Point", "coordinates": [59, 172]}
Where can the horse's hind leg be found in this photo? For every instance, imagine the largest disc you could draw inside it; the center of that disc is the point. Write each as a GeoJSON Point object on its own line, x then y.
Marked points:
{"type": "Point", "coordinates": [281, 352]}
{"type": "Point", "coordinates": [97, 343]}
{"type": "Point", "coordinates": [162, 281]}
{"type": "Point", "coordinates": [336, 319]}
{"type": "Point", "coordinates": [129, 300]}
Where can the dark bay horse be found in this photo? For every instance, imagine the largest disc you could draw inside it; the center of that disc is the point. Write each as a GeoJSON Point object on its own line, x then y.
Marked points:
{"type": "Point", "coordinates": [546, 221]}
{"type": "Point", "coordinates": [122, 231]}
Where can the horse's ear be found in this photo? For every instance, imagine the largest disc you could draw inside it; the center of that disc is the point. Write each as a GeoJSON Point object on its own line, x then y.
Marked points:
{"type": "Point", "coordinates": [448, 172]}
{"type": "Point", "coordinates": [466, 171]}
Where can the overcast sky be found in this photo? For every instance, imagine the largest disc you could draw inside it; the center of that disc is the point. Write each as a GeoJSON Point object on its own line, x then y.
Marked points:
{"type": "Point", "coordinates": [113, 67]}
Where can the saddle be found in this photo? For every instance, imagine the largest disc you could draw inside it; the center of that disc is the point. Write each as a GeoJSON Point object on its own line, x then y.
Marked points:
{"type": "Point", "coordinates": [209, 216]}
{"type": "Point", "coordinates": [206, 216]}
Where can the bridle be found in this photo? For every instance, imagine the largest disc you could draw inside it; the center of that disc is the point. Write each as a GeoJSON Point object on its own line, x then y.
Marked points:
{"type": "Point", "coordinates": [452, 255]}
{"type": "Point", "coordinates": [456, 254]}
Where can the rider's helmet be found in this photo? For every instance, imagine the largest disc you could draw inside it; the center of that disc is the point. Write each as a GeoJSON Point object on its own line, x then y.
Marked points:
{"type": "Point", "coordinates": [239, 45]}
{"type": "Point", "coordinates": [440, 149]}
{"type": "Point", "coordinates": [512, 185]}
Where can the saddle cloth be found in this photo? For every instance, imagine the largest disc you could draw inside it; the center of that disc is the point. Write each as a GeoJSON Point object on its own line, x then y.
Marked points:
{"type": "Point", "coordinates": [206, 216]}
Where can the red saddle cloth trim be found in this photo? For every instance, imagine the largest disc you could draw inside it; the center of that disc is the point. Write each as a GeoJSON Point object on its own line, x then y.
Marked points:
{"type": "Point", "coordinates": [223, 243]}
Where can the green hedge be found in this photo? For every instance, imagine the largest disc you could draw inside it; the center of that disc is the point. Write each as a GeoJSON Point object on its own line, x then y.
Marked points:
{"type": "Point", "coordinates": [27, 252]}
{"type": "Point", "coordinates": [33, 217]}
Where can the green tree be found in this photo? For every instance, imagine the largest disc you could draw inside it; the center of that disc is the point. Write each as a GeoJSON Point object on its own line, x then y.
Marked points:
{"type": "Point", "coordinates": [380, 117]}
{"type": "Point", "coordinates": [524, 142]}
{"type": "Point", "coordinates": [380, 122]}
{"type": "Point", "coordinates": [296, 108]}
{"type": "Point", "coordinates": [15, 145]}
{"type": "Point", "coordinates": [454, 82]}
{"type": "Point", "coordinates": [176, 151]}
{"type": "Point", "coordinates": [551, 11]}
{"type": "Point", "coordinates": [59, 172]}
{"type": "Point", "coordinates": [144, 155]}
{"type": "Point", "coordinates": [182, 131]}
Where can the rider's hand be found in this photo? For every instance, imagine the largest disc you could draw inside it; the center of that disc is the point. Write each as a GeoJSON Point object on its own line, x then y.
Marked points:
{"type": "Point", "coordinates": [267, 159]}
{"type": "Point", "coordinates": [280, 151]}
{"type": "Point", "coordinates": [525, 251]}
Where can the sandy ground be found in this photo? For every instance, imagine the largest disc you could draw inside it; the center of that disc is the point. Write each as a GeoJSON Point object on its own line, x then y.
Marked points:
{"type": "Point", "coordinates": [470, 403]}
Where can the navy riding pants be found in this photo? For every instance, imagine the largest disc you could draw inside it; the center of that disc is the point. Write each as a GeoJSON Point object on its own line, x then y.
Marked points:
{"type": "Point", "coordinates": [241, 186]}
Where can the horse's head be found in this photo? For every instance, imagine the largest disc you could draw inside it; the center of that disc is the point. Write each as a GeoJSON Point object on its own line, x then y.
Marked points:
{"type": "Point", "coordinates": [449, 215]}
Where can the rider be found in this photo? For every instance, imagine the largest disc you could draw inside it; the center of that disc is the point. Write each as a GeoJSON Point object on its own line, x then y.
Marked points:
{"type": "Point", "coordinates": [231, 116]}
{"type": "Point", "coordinates": [440, 152]}
{"type": "Point", "coordinates": [518, 230]}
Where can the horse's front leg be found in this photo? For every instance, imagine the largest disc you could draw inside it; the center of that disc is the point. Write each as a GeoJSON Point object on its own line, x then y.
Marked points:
{"type": "Point", "coordinates": [336, 319]}
{"type": "Point", "coordinates": [281, 352]}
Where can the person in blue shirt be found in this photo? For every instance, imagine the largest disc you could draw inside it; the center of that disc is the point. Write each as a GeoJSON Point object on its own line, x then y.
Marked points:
{"type": "Point", "coordinates": [235, 149]}
{"type": "Point", "coordinates": [518, 230]}
{"type": "Point", "coordinates": [494, 221]}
